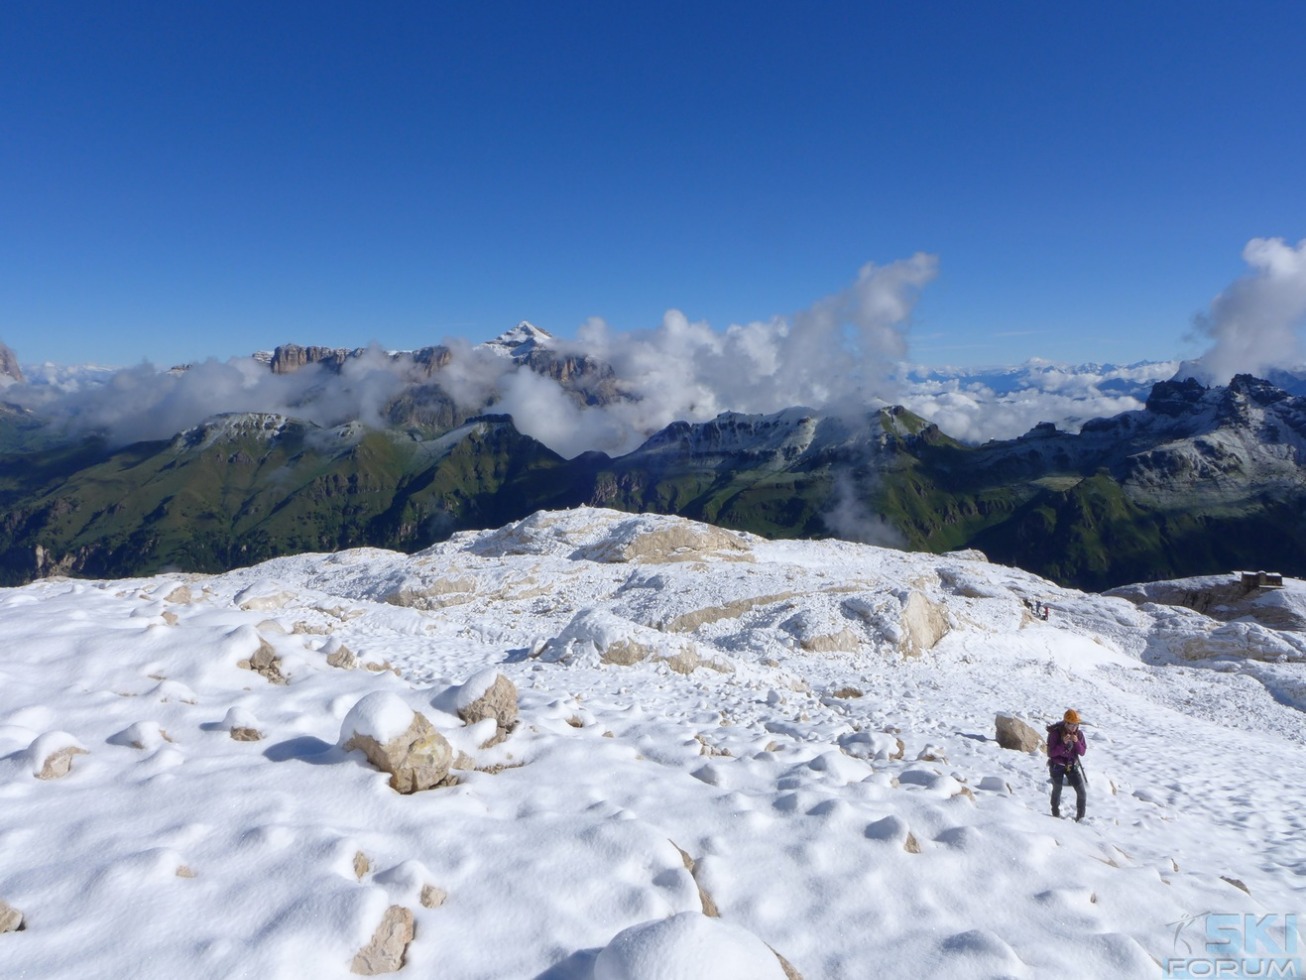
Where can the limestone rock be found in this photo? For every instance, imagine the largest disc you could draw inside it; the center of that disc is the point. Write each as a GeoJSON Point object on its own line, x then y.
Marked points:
{"type": "Point", "coordinates": [482, 698]}
{"type": "Point", "coordinates": [50, 756]}
{"type": "Point", "coordinates": [924, 623]}
{"type": "Point", "coordinates": [265, 662]}
{"type": "Point", "coordinates": [11, 920]}
{"type": "Point", "coordinates": [1016, 734]}
{"type": "Point", "coordinates": [242, 725]}
{"type": "Point", "coordinates": [399, 741]}
{"type": "Point", "coordinates": [342, 657]}
{"type": "Point", "coordinates": [385, 953]}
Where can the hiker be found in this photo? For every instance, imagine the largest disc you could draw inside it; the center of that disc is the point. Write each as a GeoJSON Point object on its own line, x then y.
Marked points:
{"type": "Point", "coordinates": [1065, 746]}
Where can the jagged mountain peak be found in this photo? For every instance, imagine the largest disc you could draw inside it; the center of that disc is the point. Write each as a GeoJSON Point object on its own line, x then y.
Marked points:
{"type": "Point", "coordinates": [520, 341]}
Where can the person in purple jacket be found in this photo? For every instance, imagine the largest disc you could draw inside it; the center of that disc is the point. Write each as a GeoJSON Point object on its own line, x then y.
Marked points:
{"type": "Point", "coordinates": [1065, 746]}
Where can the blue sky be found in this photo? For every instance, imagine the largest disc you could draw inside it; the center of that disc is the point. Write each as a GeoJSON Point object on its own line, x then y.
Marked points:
{"type": "Point", "coordinates": [180, 181]}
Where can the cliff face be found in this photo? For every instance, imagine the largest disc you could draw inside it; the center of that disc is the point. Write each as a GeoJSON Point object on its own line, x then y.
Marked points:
{"type": "Point", "coordinates": [9, 364]}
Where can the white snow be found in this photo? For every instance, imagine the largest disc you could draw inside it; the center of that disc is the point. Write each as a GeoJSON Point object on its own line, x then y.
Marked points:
{"type": "Point", "coordinates": [687, 697]}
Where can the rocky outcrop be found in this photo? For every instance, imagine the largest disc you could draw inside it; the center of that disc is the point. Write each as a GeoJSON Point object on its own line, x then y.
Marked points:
{"type": "Point", "coordinates": [289, 358]}
{"type": "Point", "coordinates": [489, 695]}
{"type": "Point", "coordinates": [1012, 733]}
{"type": "Point", "coordinates": [385, 952]}
{"type": "Point", "coordinates": [11, 920]}
{"type": "Point", "coordinates": [399, 741]}
{"type": "Point", "coordinates": [9, 364]}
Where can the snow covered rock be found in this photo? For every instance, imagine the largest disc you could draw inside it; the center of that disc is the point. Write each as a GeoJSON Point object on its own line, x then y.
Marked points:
{"type": "Point", "coordinates": [339, 655]}
{"type": "Point", "coordinates": [398, 740]}
{"type": "Point", "coordinates": [687, 946]}
{"type": "Point", "coordinates": [242, 725]}
{"type": "Point", "coordinates": [488, 694]}
{"type": "Point", "coordinates": [145, 735]}
{"type": "Point", "coordinates": [651, 540]}
{"type": "Point", "coordinates": [385, 952]}
{"type": "Point", "coordinates": [50, 756]}
{"type": "Point", "coordinates": [1016, 734]}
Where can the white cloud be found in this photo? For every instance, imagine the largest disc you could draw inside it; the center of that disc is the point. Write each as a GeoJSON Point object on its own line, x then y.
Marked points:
{"type": "Point", "coordinates": [1256, 322]}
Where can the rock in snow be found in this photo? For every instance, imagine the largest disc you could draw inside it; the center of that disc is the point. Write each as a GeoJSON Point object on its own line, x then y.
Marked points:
{"type": "Point", "coordinates": [398, 740]}
{"type": "Point", "coordinates": [1012, 733]}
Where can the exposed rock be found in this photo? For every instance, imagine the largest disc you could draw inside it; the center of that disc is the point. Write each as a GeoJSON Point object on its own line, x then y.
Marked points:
{"type": "Point", "coordinates": [498, 700]}
{"type": "Point", "coordinates": [385, 953]}
{"type": "Point", "coordinates": [433, 897]}
{"type": "Point", "coordinates": [291, 357]}
{"type": "Point", "coordinates": [417, 758]}
{"type": "Point", "coordinates": [1015, 734]}
{"type": "Point", "coordinates": [180, 595]}
{"type": "Point", "coordinates": [9, 364]}
{"type": "Point", "coordinates": [342, 658]}
{"type": "Point", "coordinates": [1236, 883]}
{"type": "Point", "coordinates": [185, 871]}
{"type": "Point", "coordinates": [50, 756]}
{"type": "Point", "coordinates": [361, 865]}
{"type": "Point", "coordinates": [704, 898]}
{"type": "Point", "coordinates": [59, 763]}
{"type": "Point", "coordinates": [636, 541]}
{"type": "Point", "coordinates": [924, 623]}
{"type": "Point", "coordinates": [625, 653]}
{"type": "Point", "coordinates": [11, 920]}
{"type": "Point", "coordinates": [266, 663]}
{"type": "Point", "coordinates": [241, 724]}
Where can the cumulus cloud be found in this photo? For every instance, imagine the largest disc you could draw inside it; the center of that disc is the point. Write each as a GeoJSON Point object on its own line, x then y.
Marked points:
{"type": "Point", "coordinates": [143, 403]}
{"type": "Point", "coordinates": [1256, 322]}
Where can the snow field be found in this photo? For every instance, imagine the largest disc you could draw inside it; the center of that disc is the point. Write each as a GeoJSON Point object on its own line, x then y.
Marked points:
{"type": "Point", "coordinates": [766, 759]}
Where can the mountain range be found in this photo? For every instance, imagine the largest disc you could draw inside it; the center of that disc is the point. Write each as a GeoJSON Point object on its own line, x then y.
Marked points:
{"type": "Point", "coordinates": [1198, 480]}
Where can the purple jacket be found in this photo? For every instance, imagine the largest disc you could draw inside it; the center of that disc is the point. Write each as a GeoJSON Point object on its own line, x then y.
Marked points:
{"type": "Point", "coordinates": [1061, 753]}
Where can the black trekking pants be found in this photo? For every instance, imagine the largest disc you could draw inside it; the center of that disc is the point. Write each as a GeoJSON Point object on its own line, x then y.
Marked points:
{"type": "Point", "coordinates": [1075, 776]}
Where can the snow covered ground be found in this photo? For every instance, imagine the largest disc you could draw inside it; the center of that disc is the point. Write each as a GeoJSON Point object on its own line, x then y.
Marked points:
{"type": "Point", "coordinates": [809, 725]}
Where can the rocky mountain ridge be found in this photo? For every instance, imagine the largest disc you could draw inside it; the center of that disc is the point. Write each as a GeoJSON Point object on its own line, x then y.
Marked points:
{"type": "Point", "coordinates": [1199, 480]}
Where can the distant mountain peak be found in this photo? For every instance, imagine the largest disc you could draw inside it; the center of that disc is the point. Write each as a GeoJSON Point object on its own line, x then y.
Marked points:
{"type": "Point", "coordinates": [9, 364]}
{"type": "Point", "coordinates": [520, 341]}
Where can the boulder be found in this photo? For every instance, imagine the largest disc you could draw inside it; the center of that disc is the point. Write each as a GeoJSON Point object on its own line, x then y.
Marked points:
{"type": "Point", "coordinates": [489, 695]}
{"type": "Point", "coordinates": [1016, 734]}
{"type": "Point", "coordinates": [11, 920]}
{"type": "Point", "coordinates": [398, 740]}
{"type": "Point", "coordinates": [924, 623]}
{"type": "Point", "coordinates": [50, 756]}
{"type": "Point", "coordinates": [385, 952]}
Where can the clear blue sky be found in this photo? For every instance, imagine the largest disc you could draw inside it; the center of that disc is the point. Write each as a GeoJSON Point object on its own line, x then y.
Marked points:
{"type": "Point", "coordinates": [181, 180]}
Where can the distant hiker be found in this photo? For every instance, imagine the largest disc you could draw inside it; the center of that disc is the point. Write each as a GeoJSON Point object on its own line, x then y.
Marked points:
{"type": "Point", "coordinates": [1065, 746]}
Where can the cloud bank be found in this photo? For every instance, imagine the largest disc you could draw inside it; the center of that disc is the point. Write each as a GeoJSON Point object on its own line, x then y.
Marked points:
{"type": "Point", "coordinates": [845, 354]}
{"type": "Point", "coordinates": [1255, 324]}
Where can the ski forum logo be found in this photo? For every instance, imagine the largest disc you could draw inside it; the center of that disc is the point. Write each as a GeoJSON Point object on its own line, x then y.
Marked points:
{"type": "Point", "coordinates": [1235, 944]}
